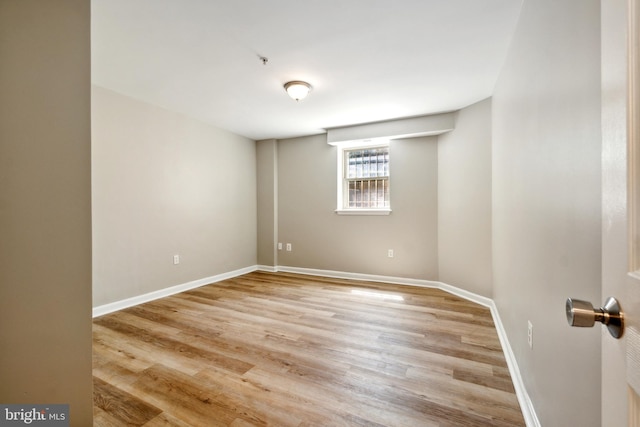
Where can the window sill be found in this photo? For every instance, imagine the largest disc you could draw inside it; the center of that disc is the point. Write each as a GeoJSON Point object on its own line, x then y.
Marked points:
{"type": "Point", "coordinates": [363, 211]}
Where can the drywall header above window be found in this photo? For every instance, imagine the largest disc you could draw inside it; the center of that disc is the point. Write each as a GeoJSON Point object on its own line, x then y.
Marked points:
{"type": "Point", "coordinates": [393, 129]}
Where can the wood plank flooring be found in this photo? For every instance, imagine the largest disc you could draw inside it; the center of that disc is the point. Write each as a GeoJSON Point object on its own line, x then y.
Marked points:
{"type": "Point", "coordinates": [276, 349]}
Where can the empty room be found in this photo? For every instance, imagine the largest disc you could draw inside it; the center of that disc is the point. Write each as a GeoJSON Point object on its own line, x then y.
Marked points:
{"type": "Point", "coordinates": [304, 213]}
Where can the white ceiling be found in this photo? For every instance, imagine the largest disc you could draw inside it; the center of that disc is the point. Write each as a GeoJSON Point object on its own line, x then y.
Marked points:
{"type": "Point", "coordinates": [367, 60]}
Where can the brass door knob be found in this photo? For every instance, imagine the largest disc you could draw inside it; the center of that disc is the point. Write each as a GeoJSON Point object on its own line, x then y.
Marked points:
{"type": "Point", "coordinates": [582, 314]}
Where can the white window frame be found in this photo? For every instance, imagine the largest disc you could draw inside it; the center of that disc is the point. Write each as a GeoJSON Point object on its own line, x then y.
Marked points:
{"type": "Point", "coordinates": [342, 208]}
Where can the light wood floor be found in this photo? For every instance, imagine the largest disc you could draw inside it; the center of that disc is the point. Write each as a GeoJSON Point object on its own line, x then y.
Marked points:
{"type": "Point", "coordinates": [290, 350]}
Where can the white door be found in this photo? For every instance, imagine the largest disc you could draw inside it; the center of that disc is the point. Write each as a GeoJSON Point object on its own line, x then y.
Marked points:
{"type": "Point", "coordinates": [621, 207]}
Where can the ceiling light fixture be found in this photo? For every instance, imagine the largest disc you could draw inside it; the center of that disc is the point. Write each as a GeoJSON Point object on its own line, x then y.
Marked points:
{"type": "Point", "coordinates": [297, 89]}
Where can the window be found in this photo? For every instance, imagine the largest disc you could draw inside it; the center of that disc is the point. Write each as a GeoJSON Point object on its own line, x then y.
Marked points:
{"type": "Point", "coordinates": [367, 178]}
{"type": "Point", "coordinates": [363, 181]}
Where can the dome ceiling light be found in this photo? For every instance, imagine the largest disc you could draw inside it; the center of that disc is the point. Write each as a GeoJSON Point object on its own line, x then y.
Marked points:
{"type": "Point", "coordinates": [297, 89]}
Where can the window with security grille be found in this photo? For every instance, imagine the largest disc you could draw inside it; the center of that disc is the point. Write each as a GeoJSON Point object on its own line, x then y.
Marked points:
{"type": "Point", "coordinates": [366, 178]}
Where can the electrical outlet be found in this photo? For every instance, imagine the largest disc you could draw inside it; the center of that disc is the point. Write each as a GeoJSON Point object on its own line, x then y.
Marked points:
{"type": "Point", "coordinates": [279, 246]}
{"type": "Point", "coordinates": [176, 259]}
{"type": "Point", "coordinates": [289, 248]}
{"type": "Point", "coordinates": [530, 333]}
{"type": "Point", "coordinates": [390, 253]}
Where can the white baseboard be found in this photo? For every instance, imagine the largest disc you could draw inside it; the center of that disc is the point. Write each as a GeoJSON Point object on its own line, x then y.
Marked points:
{"type": "Point", "coordinates": [528, 411]}
{"type": "Point", "coordinates": [269, 268]}
{"type": "Point", "coordinates": [356, 276]}
{"type": "Point", "coordinates": [526, 405]}
{"type": "Point", "coordinates": [140, 299]}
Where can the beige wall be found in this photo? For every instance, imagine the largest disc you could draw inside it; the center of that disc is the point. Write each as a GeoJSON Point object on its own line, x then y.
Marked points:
{"type": "Point", "coordinates": [166, 184]}
{"type": "Point", "coordinates": [45, 205]}
{"type": "Point", "coordinates": [267, 188]}
{"type": "Point", "coordinates": [546, 203]}
{"type": "Point", "coordinates": [440, 228]}
{"type": "Point", "coordinates": [464, 201]}
{"type": "Point", "coordinates": [322, 239]}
